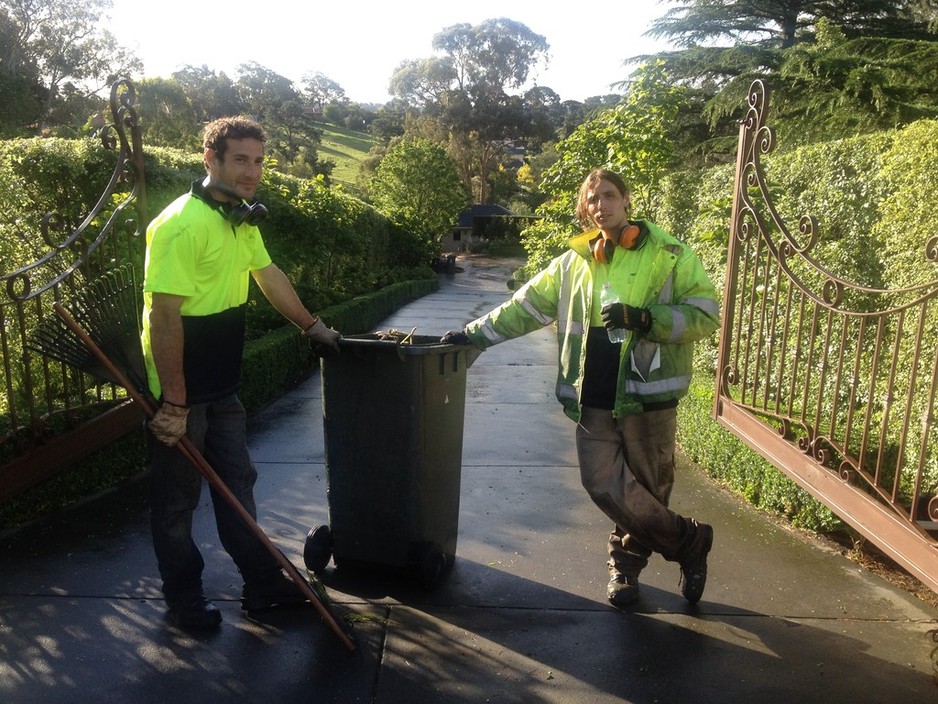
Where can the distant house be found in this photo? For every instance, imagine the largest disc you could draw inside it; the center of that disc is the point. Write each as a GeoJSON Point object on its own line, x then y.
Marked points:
{"type": "Point", "coordinates": [471, 223]}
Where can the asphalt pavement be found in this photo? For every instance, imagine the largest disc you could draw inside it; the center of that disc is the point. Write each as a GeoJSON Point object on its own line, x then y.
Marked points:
{"type": "Point", "coordinates": [520, 616]}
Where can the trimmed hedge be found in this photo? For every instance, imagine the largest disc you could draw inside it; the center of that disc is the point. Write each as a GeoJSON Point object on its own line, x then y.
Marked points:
{"type": "Point", "coordinates": [283, 357]}
{"type": "Point", "coordinates": [731, 462]}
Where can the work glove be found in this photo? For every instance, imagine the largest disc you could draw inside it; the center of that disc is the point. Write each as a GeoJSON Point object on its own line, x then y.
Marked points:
{"type": "Point", "coordinates": [323, 338]}
{"type": "Point", "coordinates": [619, 315]}
{"type": "Point", "coordinates": [168, 424]}
{"type": "Point", "coordinates": [455, 337]}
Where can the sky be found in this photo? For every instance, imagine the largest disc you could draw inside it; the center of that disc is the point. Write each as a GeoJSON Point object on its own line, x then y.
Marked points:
{"type": "Point", "coordinates": [359, 43]}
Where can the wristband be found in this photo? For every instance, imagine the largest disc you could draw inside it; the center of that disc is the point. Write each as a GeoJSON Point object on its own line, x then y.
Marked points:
{"type": "Point", "coordinates": [175, 405]}
{"type": "Point", "coordinates": [311, 325]}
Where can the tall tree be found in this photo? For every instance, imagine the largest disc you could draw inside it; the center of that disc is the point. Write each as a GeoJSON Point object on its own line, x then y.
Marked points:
{"type": "Point", "coordinates": [172, 120]}
{"type": "Point", "coordinates": [471, 90]}
{"type": "Point", "coordinates": [868, 77]}
{"type": "Point", "coordinates": [320, 90]}
{"type": "Point", "coordinates": [20, 88]}
{"type": "Point", "coordinates": [211, 95]}
{"type": "Point", "coordinates": [292, 136]}
{"type": "Point", "coordinates": [783, 23]}
{"type": "Point", "coordinates": [71, 52]}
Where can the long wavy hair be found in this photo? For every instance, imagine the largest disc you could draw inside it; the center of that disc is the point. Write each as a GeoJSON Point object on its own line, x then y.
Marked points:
{"type": "Point", "coordinates": [589, 183]}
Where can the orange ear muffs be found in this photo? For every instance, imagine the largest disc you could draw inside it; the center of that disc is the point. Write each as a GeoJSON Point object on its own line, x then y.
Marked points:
{"type": "Point", "coordinates": [604, 249]}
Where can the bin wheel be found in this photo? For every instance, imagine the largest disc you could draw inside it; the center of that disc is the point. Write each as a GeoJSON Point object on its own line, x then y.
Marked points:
{"type": "Point", "coordinates": [318, 549]}
{"type": "Point", "coordinates": [431, 567]}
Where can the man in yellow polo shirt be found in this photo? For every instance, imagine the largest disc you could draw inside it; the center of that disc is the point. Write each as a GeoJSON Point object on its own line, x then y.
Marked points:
{"type": "Point", "coordinates": [202, 251]}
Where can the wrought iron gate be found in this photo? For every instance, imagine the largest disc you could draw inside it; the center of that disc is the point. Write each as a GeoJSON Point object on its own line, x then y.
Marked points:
{"type": "Point", "coordinates": [51, 415]}
{"type": "Point", "coordinates": [832, 382]}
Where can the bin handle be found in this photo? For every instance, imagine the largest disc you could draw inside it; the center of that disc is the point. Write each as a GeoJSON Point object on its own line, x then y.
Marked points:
{"type": "Point", "coordinates": [399, 338]}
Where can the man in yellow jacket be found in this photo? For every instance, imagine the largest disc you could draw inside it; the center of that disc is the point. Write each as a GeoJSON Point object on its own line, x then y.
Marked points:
{"type": "Point", "coordinates": [622, 395]}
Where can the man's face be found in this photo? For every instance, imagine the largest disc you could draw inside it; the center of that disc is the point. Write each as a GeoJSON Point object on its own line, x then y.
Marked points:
{"type": "Point", "coordinates": [240, 172]}
{"type": "Point", "coordinates": [607, 207]}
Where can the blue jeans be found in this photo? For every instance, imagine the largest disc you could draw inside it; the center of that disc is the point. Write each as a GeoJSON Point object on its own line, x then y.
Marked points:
{"type": "Point", "coordinates": [218, 431]}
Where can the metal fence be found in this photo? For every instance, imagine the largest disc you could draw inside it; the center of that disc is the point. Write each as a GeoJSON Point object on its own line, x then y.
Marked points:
{"type": "Point", "coordinates": [50, 414]}
{"type": "Point", "coordinates": [833, 382]}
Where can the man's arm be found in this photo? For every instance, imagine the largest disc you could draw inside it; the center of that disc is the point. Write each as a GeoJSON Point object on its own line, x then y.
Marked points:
{"type": "Point", "coordinates": [166, 343]}
{"type": "Point", "coordinates": [277, 289]}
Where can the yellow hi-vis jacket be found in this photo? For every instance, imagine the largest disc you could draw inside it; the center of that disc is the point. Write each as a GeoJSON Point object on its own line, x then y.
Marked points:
{"type": "Point", "coordinates": [660, 273]}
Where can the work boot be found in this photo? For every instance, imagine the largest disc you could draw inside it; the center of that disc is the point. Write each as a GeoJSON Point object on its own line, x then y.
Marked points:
{"type": "Point", "coordinates": [279, 591]}
{"type": "Point", "coordinates": [195, 612]}
{"type": "Point", "coordinates": [694, 569]}
{"type": "Point", "coordinates": [622, 590]}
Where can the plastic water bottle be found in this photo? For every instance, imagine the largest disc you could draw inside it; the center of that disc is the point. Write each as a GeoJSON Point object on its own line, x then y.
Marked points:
{"type": "Point", "coordinates": [606, 296]}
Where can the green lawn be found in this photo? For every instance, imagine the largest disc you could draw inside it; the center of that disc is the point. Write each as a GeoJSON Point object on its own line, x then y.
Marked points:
{"type": "Point", "coordinates": [347, 148]}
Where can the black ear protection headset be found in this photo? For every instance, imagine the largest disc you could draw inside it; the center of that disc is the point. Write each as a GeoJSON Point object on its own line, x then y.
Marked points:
{"type": "Point", "coordinates": [604, 248]}
{"type": "Point", "coordinates": [244, 212]}
{"type": "Point", "coordinates": [239, 214]}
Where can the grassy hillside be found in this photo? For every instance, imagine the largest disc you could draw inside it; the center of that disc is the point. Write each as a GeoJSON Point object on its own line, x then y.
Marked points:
{"type": "Point", "coordinates": [347, 148]}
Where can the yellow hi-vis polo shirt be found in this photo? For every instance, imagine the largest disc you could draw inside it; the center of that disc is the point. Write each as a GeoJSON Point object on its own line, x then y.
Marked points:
{"type": "Point", "coordinates": [194, 251]}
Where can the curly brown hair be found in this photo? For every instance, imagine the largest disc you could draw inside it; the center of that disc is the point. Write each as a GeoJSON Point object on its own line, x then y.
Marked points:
{"type": "Point", "coordinates": [218, 132]}
{"type": "Point", "coordinates": [589, 183]}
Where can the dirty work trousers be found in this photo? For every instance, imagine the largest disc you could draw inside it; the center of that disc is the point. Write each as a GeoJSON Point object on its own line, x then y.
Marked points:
{"type": "Point", "coordinates": [627, 467]}
{"type": "Point", "coordinates": [218, 431]}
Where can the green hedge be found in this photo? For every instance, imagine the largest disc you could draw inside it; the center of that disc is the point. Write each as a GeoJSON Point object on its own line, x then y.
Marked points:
{"type": "Point", "coordinates": [728, 460]}
{"type": "Point", "coordinates": [283, 357]}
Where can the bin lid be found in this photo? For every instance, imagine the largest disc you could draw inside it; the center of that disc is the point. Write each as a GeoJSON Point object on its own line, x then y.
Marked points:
{"type": "Point", "coordinates": [405, 345]}
{"type": "Point", "coordinates": [408, 345]}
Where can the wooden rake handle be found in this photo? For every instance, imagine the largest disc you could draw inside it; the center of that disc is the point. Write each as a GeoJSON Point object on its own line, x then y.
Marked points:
{"type": "Point", "coordinates": [192, 453]}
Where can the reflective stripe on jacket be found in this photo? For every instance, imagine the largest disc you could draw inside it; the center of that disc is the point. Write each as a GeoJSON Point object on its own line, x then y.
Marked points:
{"type": "Point", "coordinates": [661, 274]}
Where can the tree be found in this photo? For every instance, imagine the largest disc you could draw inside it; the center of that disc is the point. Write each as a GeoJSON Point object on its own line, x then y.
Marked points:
{"type": "Point", "coordinates": [211, 95]}
{"type": "Point", "coordinates": [844, 86]}
{"type": "Point", "coordinates": [292, 136]}
{"type": "Point", "coordinates": [64, 43]}
{"type": "Point", "coordinates": [416, 185]}
{"type": "Point", "coordinates": [421, 82]}
{"type": "Point", "coordinates": [783, 23]}
{"type": "Point", "coordinates": [467, 91]}
{"type": "Point", "coordinates": [171, 120]}
{"type": "Point", "coordinates": [498, 53]}
{"type": "Point", "coordinates": [20, 99]}
{"type": "Point", "coordinates": [320, 90]}
{"type": "Point", "coordinates": [876, 72]}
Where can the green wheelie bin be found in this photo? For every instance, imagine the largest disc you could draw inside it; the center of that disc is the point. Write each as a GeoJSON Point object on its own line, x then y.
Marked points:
{"type": "Point", "coordinates": [393, 423]}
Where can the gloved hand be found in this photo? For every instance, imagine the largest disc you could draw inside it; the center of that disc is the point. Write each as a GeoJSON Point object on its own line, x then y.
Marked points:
{"type": "Point", "coordinates": [618, 315]}
{"type": "Point", "coordinates": [455, 337]}
{"type": "Point", "coordinates": [323, 338]}
{"type": "Point", "coordinates": [168, 424]}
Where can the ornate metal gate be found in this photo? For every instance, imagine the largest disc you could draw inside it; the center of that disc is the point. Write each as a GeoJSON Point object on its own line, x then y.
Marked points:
{"type": "Point", "coordinates": [51, 415]}
{"type": "Point", "coordinates": [832, 382]}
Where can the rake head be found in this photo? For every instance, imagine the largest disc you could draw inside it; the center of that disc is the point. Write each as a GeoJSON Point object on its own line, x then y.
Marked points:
{"type": "Point", "coordinates": [107, 310]}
